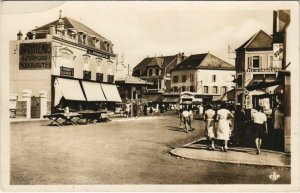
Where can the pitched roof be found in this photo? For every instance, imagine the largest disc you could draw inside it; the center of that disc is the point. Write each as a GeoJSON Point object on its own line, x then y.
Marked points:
{"type": "Point", "coordinates": [259, 41]}
{"type": "Point", "coordinates": [161, 61]}
{"type": "Point", "coordinates": [128, 79]}
{"type": "Point", "coordinates": [203, 61]}
{"type": "Point", "coordinates": [71, 24]}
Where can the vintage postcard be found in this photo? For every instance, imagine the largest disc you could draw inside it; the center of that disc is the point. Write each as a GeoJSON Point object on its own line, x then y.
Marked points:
{"type": "Point", "coordinates": [152, 96]}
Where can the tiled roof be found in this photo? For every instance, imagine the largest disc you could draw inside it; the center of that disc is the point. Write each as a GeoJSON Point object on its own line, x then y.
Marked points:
{"type": "Point", "coordinates": [71, 24]}
{"type": "Point", "coordinates": [260, 41]}
{"type": "Point", "coordinates": [203, 61]}
{"type": "Point", "coordinates": [161, 61]}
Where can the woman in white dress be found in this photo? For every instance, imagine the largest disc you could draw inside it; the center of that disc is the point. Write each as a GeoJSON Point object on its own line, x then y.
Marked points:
{"type": "Point", "coordinates": [223, 131]}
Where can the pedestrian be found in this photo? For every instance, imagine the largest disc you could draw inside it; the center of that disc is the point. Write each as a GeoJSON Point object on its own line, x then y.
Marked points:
{"type": "Point", "coordinates": [239, 124]}
{"type": "Point", "coordinates": [278, 128]}
{"type": "Point", "coordinates": [209, 116]}
{"type": "Point", "coordinates": [151, 110]}
{"type": "Point", "coordinates": [223, 131]}
{"type": "Point", "coordinates": [127, 110]}
{"type": "Point", "coordinates": [260, 127]}
{"type": "Point", "coordinates": [186, 117]}
{"type": "Point", "coordinates": [135, 109]}
{"type": "Point", "coordinates": [145, 109]}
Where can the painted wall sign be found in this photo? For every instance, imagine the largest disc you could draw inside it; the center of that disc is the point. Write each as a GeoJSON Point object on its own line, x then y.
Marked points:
{"type": "Point", "coordinates": [263, 70]}
{"type": "Point", "coordinates": [35, 56]}
{"type": "Point", "coordinates": [95, 53]}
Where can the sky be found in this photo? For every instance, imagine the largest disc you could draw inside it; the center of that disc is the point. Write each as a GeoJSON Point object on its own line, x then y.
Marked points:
{"type": "Point", "coordinates": [147, 28]}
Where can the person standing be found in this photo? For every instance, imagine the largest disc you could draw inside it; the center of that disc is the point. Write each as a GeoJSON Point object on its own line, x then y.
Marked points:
{"type": "Point", "coordinates": [145, 109]}
{"type": "Point", "coordinates": [260, 126]}
{"type": "Point", "coordinates": [239, 124]}
{"type": "Point", "coordinates": [127, 109]}
{"type": "Point", "coordinates": [223, 132]}
{"type": "Point", "coordinates": [209, 116]}
{"type": "Point", "coordinates": [278, 128]}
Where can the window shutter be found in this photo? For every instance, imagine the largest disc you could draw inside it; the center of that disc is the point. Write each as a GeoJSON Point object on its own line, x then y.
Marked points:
{"type": "Point", "coordinates": [260, 61]}
{"type": "Point", "coordinates": [250, 62]}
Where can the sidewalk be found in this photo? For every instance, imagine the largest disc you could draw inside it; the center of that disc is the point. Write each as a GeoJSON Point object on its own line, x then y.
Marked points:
{"type": "Point", "coordinates": [236, 155]}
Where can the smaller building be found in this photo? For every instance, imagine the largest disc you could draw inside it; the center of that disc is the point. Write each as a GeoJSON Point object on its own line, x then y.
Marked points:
{"type": "Point", "coordinates": [131, 88]}
{"type": "Point", "coordinates": [203, 74]}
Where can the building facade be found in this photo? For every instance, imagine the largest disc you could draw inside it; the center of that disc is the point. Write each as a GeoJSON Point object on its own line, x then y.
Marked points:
{"type": "Point", "coordinates": [203, 74]}
{"type": "Point", "coordinates": [62, 51]}
{"type": "Point", "coordinates": [258, 60]}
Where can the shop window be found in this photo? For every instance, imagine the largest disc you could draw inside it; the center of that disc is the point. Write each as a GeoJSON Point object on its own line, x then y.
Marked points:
{"type": "Point", "coordinates": [191, 78]}
{"type": "Point", "coordinates": [205, 89]}
{"type": "Point", "coordinates": [214, 78]}
{"type": "Point", "coordinates": [183, 78]}
{"type": "Point", "coordinates": [175, 79]}
{"type": "Point", "coordinates": [215, 90]}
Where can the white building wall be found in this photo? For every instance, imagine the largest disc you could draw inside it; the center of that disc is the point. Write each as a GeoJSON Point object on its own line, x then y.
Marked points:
{"type": "Point", "coordinates": [223, 78]}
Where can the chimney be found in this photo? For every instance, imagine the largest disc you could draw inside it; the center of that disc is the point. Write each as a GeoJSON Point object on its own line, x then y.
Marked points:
{"type": "Point", "coordinates": [52, 29]}
{"type": "Point", "coordinates": [19, 35]}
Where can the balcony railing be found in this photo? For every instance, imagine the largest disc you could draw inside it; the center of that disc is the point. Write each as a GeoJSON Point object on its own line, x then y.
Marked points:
{"type": "Point", "coordinates": [86, 75]}
{"type": "Point", "coordinates": [110, 78]}
{"type": "Point", "coordinates": [99, 77]}
{"type": "Point", "coordinates": [65, 71]}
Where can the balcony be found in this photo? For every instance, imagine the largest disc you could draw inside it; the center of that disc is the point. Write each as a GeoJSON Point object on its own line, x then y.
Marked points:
{"type": "Point", "coordinates": [110, 78]}
{"type": "Point", "coordinates": [86, 75]}
{"type": "Point", "coordinates": [99, 77]}
{"type": "Point", "coordinates": [65, 71]}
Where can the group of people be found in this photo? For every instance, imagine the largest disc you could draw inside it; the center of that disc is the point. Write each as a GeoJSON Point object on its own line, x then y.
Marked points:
{"type": "Point", "coordinates": [219, 126]}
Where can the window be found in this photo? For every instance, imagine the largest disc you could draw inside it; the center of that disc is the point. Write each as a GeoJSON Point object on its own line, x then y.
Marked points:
{"type": "Point", "coordinates": [183, 88]}
{"type": "Point", "coordinates": [99, 77]}
{"type": "Point", "coordinates": [255, 62]}
{"type": "Point", "coordinates": [239, 81]}
{"type": "Point", "coordinates": [214, 78]}
{"type": "Point", "coordinates": [175, 89]}
{"type": "Point", "coordinates": [175, 79]}
{"type": "Point", "coordinates": [215, 90]}
{"type": "Point", "coordinates": [191, 78]}
{"type": "Point", "coordinates": [183, 78]}
{"type": "Point", "coordinates": [192, 89]}
{"type": "Point", "coordinates": [157, 71]}
{"type": "Point", "coordinates": [205, 89]}
{"type": "Point", "coordinates": [150, 72]}
{"type": "Point", "coordinates": [223, 89]}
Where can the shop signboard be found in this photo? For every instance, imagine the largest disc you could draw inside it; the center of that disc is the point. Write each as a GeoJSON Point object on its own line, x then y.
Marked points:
{"type": "Point", "coordinates": [35, 56]}
{"type": "Point", "coordinates": [263, 69]}
{"type": "Point", "coordinates": [99, 54]}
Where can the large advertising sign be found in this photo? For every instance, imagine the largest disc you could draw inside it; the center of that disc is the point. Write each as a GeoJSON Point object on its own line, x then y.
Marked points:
{"type": "Point", "coordinates": [35, 56]}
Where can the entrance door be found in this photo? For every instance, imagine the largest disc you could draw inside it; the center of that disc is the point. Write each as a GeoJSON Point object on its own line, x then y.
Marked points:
{"type": "Point", "coordinates": [35, 107]}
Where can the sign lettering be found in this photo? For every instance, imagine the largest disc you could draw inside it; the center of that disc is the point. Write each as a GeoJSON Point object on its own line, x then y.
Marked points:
{"type": "Point", "coordinates": [263, 70]}
{"type": "Point", "coordinates": [35, 56]}
{"type": "Point", "coordinates": [95, 53]}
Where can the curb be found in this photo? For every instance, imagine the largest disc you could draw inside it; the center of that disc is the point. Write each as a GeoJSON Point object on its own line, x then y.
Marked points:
{"type": "Point", "coordinates": [239, 149]}
{"type": "Point", "coordinates": [233, 162]}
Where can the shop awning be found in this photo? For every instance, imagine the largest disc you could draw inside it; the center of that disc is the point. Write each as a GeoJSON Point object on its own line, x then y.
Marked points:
{"type": "Point", "coordinates": [111, 92]}
{"type": "Point", "coordinates": [67, 88]}
{"type": "Point", "coordinates": [93, 91]}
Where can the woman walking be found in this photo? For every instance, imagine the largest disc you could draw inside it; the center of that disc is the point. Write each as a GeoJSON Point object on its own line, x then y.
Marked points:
{"type": "Point", "coordinates": [209, 116]}
{"type": "Point", "coordinates": [223, 132]}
